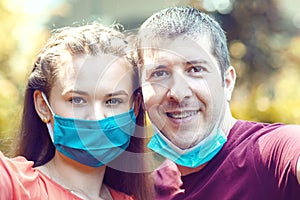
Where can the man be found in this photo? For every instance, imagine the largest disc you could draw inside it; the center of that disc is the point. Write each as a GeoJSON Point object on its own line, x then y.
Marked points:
{"type": "Point", "coordinates": [187, 83]}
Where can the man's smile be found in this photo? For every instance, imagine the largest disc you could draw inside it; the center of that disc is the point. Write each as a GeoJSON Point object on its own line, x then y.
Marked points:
{"type": "Point", "coordinates": [182, 115]}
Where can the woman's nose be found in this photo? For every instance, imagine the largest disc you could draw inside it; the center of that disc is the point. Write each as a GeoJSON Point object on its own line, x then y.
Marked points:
{"type": "Point", "coordinates": [96, 112]}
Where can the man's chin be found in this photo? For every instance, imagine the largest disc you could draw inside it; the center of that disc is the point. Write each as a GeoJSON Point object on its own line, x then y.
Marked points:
{"type": "Point", "coordinates": [183, 143]}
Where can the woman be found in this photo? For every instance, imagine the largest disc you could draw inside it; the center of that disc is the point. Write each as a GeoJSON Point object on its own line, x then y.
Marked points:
{"type": "Point", "coordinates": [81, 104]}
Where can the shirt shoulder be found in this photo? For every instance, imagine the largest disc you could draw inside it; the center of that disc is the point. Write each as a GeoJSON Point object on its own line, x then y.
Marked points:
{"type": "Point", "coordinates": [243, 130]}
{"type": "Point", "coordinates": [259, 157]}
{"type": "Point", "coordinates": [276, 144]}
{"type": "Point", "coordinates": [272, 150]}
{"type": "Point", "coordinates": [14, 174]}
{"type": "Point", "coordinates": [116, 195]}
{"type": "Point", "coordinates": [20, 180]}
{"type": "Point", "coordinates": [280, 149]}
{"type": "Point", "coordinates": [167, 180]}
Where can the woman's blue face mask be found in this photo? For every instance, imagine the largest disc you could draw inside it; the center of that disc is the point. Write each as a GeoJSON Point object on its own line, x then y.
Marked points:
{"type": "Point", "coordinates": [92, 142]}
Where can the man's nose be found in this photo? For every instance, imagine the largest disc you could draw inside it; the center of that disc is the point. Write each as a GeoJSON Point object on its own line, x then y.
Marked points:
{"type": "Point", "coordinates": [179, 88]}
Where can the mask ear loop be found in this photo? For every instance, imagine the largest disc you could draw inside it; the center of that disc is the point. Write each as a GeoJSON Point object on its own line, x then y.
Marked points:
{"type": "Point", "coordinates": [137, 103]}
{"type": "Point", "coordinates": [45, 99]}
{"type": "Point", "coordinates": [49, 126]}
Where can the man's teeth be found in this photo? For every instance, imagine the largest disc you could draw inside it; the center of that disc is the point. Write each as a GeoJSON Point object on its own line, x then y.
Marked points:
{"type": "Point", "coordinates": [182, 114]}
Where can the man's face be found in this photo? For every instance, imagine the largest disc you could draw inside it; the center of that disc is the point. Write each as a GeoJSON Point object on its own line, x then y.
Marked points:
{"type": "Point", "coordinates": [183, 90]}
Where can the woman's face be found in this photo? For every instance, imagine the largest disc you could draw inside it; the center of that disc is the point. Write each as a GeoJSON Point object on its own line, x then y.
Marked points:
{"type": "Point", "coordinates": [92, 87]}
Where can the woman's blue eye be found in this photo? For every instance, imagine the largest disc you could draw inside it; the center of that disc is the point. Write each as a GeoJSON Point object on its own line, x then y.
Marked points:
{"type": "Point", "coordinates": [77, 100]}
{"type": "Point", "coordinates": [114, 101]}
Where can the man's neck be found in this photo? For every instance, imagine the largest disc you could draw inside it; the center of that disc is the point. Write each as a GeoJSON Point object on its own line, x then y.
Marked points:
{"type": "Point", "coordinates": [226, 126]}
{"type": "Point", "coordinates": [188, 170]}
{"type": "Point", "coordinates": [228, 120]}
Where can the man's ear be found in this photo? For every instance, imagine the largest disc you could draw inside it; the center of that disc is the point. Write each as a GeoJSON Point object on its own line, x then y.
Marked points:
{"type": "Point", "coordinates": [41, 106]}
{"type": "Point", "coordinates": [230, 77]}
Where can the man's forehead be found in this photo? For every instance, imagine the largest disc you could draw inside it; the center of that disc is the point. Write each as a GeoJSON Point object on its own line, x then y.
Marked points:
{"type": "Point", "coordinates": [181, 39]}
{"type": "Point", "coordinates": [183, 48]}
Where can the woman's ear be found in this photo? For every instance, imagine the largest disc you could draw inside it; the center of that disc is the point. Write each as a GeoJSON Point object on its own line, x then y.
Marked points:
{"type": "Point", "coordinates": [41, 106]}
{"type": "Point", "coordinates": [230, 77]}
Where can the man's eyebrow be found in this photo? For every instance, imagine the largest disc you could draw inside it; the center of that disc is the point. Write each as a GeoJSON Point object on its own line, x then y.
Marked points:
{"type": "Point", "coordinates": [196, 61]}
{"type": "Point", "coordinates": [156, 67]}
{"type": "Point", "coordinates": [160, 67]}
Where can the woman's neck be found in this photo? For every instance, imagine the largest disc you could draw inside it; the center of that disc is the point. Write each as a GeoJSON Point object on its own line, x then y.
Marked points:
{"type": "Point", "coordinates": [84, 181]}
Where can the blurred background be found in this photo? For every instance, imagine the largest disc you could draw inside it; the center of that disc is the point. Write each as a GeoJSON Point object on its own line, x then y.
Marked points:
{"type": "Point", "coordinates": [263, 39]}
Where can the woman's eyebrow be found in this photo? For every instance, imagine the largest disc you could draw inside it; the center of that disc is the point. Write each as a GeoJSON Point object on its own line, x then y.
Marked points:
{"type": "Point", "coordinates": [80, 92]}
{"type": "Point", "coordinates": [116, 93]}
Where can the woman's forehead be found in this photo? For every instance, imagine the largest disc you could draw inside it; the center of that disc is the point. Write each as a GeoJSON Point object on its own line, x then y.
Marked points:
{"type": "Point", "coordinates": [91, 69]}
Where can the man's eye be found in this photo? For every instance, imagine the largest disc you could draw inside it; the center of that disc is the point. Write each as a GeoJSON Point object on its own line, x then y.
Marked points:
{"type": "Point", "coordinates": [77, 100]}
{"type": "Point", "coordinates": [114, 101]}
{"type": "Point", "coordinates": [159, 74]}
{"type": "Point", "coordinates": [196, 69]}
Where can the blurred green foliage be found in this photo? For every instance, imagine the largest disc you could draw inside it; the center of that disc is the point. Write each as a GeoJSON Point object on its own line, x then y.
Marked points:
{"type": "Point", "coordinates": [9, 96]}
{"type": "Point", "coordinates": [16, 55]}
{"type": "Point", "coordinates": [264, 47]}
